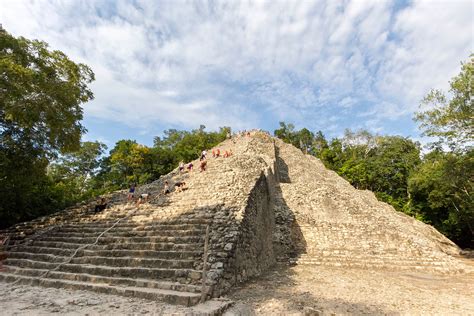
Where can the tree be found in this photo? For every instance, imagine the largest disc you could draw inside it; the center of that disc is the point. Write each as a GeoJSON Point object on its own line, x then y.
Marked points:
{"type": "Point", "coordinates": [390, 166]}
{"type": "Point", "coordinates": [441, 194]}
{"type": "Point", "coordinates": [451, 119]}
{"type": "Point", "coordinates": [74, 173]}
{"type": "Point", "coordinates": [186, 145]}
{"type": "Point", "coordinates": [304, 139]}
{"type": "Point", "coordinates": [41, 95]}
{"type": "Point", "coordinates": [285, 132]}
{"type": "Point", "coordinates": [41, 92]}
{"type": "Point", "coordinates": [319, 145]}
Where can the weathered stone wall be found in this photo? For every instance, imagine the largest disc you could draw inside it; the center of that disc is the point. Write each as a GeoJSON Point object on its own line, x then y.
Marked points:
{"type": "Point", "coordinates": [253, 249]}
{"type": "Point", "coordinates": [241, 239]}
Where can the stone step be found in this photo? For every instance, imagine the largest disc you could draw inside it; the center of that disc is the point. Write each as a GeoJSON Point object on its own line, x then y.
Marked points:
{"type": "Point", "coordinates": [129, 233]}
{"type": "Point", "coordinates": [145, 254]}
{"type": "Point", "coordinates": [82, 277]}
{"type": "Point", "coordinates": [109, 261]}
{"type": "Point", "coordinates": [397, 261]}
{"type": "Point", "coordinates": [122, 240]}
{"type": "Point", "coordinates": [167, 254]}
{"type": "Point", "coordinates": [44, 250]}
{"type": "Point", "coordinates": [101, 226]}
{"type": "Point", "coordinates": [173, 215]}
{"type": "Point", "coordinates": [129, 246]}
{"type": "Point", "coordinates": [375, 265]}
{"type": "Point", "coordinates": [169, 274]}
{"type": "Point", "coordinates": [135, 262]}
{"type": "Point", "coordinates": [37, 256]}
{"type": "Point", "coordinates": [367, 256]}
{"type": "Point", "coordinates": [168, 296]}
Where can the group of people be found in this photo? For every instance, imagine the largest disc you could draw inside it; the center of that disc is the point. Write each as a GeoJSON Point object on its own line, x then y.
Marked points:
{"type": "Point", "coordinates": [216, 153]}
{"type": "Point", "coordinates": [179, 186]}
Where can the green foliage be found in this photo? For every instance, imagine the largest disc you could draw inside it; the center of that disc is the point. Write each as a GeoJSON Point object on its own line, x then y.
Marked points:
{"type": "Point", "coordinates": [441, 191]}
{"type": "Point", "coordinates": [451, 119]}
{"type": "Point", "coordinates": [41, 92]}
{"type": "Point", "coordinates": [73, 175]}
{"type": "Point", "coordinates": [302, 139]}
{"type": "Point", "coordinates": [40, 95]}
{"type": "Point", "coordinates": [187, 146]}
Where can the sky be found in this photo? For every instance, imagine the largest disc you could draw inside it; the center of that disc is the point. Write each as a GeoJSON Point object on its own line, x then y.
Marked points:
{"type": "Point", "coordinates": [323, 65]}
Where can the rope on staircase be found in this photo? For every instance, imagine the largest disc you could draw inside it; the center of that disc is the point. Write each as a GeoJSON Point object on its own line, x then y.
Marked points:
{"type": "Point", "coordinates": [68, 260]}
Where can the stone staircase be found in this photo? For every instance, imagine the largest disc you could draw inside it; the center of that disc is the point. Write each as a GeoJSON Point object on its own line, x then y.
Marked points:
{"type": "Point", "coordinates": [159, 261]}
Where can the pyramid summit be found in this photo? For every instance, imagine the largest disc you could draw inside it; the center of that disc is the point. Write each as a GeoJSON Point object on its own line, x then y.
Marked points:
{"type": "Point", "coordinates": [266, 203]}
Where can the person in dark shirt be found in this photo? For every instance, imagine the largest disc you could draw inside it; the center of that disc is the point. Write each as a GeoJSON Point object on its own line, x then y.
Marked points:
{"type": "Point", "coordinates": [100, 206]}
{"type": "Point", "coordinates": [131, 193]}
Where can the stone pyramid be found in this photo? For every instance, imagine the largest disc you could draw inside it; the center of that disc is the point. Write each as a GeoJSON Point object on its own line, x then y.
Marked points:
{"type": "Point", "coordinates": [266, 202]}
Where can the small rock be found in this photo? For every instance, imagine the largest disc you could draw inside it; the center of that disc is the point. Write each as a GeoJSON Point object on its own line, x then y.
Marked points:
{"type": "Point", "coordinates": [309, 311]}
{"type": "Point", "coordinates": [93, 302]}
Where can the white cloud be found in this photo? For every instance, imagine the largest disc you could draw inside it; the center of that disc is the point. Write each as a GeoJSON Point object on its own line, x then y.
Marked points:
{"type": "Point", "coordinates": [231, 63]}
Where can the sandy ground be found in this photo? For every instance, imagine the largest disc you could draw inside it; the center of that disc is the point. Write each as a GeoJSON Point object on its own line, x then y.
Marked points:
{"type": "Point", "coordinates": [298, 290]}
{"type": "Point", "coordinates": [306, 290]}
{"type": "Point", "coordinates": [30, 300]}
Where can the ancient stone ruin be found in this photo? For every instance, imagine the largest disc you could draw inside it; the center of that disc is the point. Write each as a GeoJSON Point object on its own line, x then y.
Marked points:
{"type": "Point", "coordinates": [268, 202]}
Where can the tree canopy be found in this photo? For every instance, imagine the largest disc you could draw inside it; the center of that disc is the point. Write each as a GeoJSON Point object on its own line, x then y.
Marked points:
{"type": "Point", "coordinates": [41, 92]}
{"type": "Point", "coordinates": [451, 118]}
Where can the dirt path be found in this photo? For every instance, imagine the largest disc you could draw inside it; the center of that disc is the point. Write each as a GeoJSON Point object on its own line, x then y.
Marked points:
{"type": "Point", "coordinates": [310, 290]}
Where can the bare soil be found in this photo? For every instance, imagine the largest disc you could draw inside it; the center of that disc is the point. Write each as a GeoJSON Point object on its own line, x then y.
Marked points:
{"type": "Point", "coordinates": [312, 290]}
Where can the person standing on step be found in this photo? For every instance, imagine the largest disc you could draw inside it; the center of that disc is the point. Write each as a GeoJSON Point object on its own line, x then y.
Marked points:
{"type": "Point", "coordinates": [181, 166]}
{"type": "Point", "coordinates": [203, 165]}
{"type": "Point", "coordinates": [166, 188]}
{"type": "Point", "coordinates": [190, 167]}
{"type": "Point", "coordinates": [131, 192]}
{"type": "Point", "coordinates": [203, 155]}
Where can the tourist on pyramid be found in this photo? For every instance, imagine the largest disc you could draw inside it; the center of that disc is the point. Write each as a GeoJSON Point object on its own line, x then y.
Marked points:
{"type": "Point", "coordinates": [181, 166]}
{"type": "Point", "coordinates": [190, 167]}
{"type": "Point", "coordinates": [144, 198]}
{"type": "Point", "coordinates": [218, 152]}
{"type": "Point", "coordinates": [166, 189]}
{"type": "Point", "coordinates": [131, 192]}
{"type": "Point", "coordinates": [203, 155]}
{"type": "Point", "coordinates": [203, 165]}
{"type": "Point", "coordinates": [180, 186]}
{"type": "Point", "coordinates": [100, 206]}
